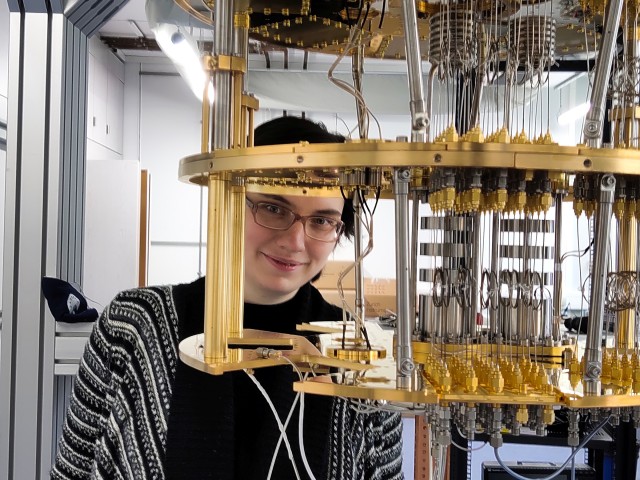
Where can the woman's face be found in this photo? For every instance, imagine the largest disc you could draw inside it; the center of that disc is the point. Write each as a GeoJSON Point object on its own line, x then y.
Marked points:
{"type": "Point", "coordinates": [279, 262]}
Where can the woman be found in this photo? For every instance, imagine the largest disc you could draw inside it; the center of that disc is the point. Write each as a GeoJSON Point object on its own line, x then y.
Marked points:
{"type": "Point", "coordinates": [137, 412]}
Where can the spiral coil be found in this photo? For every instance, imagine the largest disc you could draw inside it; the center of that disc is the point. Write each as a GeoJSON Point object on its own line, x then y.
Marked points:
{"type": "Point", "coordinates": [453, 43]}
{"type": "Point", "coordinates": [533, 44]}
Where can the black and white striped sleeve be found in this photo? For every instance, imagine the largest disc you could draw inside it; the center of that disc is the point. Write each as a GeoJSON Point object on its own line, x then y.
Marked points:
{"type": "Point", "coordinates": [89, 407]}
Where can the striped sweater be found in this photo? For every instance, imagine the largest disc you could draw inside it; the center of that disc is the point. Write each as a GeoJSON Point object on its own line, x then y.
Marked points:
{"type": "Point", "coordinates": [137, 412]}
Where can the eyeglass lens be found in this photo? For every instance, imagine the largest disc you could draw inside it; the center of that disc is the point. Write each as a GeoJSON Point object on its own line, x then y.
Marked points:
{"type": "Point", "coordinates": [280, 218]}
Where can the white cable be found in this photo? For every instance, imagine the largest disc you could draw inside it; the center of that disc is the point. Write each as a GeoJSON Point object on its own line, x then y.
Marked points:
{"type": "Point", "coordinates": [468, 449]}
{"type": "Point", "coordinates": [345, 85]}
{"type": "Point", "coordinates": [283, 432]}
{"type": "Point", "coordinates": [286, 423]}
{"type": "Point", "coordinates": [303, 454]}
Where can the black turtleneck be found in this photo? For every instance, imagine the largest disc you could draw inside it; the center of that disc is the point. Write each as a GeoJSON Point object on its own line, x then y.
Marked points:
{"type": "Point", "coordinates": [221, 426]}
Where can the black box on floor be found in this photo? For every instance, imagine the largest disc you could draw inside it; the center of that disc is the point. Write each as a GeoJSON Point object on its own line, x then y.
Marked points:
{"type": "Point", "coordinates": [493, 471]}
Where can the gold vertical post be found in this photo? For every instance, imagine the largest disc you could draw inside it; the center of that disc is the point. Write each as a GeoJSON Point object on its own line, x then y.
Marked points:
{"type": "Point", "coordinates": [625, 336]}
{"type": "Point", "coordinates": [238, 130]}
{"type": "Point", "coordinates": [216, 320]}
{"type": "Point", "coordinates": [241, 22]}
{"type": "Point", "coordinates": [236, 260]}
{"type": "Point", "coordinates": [250, 128]}
{"type": "Point", "coordinates": [207, 63]}
{"type": "Point", "coordinates": [243, 139]}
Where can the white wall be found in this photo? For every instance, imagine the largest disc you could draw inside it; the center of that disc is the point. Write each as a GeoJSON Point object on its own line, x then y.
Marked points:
{"type": "Point", "coordinates": [111, 229]}
{"type": "Point", "coordinates": [170, 130]}
{"type": "Point", "coordinates": [112, 186]}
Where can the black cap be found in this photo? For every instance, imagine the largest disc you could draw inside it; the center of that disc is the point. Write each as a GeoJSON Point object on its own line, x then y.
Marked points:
{"type": "Point", "coordinates": [65, 302]}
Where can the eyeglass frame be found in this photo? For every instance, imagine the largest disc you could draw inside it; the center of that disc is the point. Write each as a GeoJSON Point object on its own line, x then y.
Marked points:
{"type": "Point", "coordinates": [253, 206]}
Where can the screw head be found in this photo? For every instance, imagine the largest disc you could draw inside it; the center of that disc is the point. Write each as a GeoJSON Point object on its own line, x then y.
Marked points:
{"type": "Point", "coordinates": [592, 127]}
{"type": "Point", "coordinates": [407, 366]}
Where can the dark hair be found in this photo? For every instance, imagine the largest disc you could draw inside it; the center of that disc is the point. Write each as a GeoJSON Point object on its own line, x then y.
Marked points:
{"type": "Point", "coordinates": [285, 130]}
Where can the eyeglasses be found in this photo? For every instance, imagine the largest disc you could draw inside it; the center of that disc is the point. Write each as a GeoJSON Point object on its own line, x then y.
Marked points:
{"type": "Point", "coordinates": [275, 217]}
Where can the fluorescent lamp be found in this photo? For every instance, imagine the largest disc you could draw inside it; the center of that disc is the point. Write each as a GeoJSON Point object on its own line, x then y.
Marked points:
{"type": "Point", "coordinates": [183, 51]}
{"type": "Point", "coordinates": [573, 114]}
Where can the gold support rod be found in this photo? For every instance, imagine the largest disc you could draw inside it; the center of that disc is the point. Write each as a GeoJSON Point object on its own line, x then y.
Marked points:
{"type": "Point", "coordinates": [219, 276]}
{"type": "Point", "coordinates": [236, 288]}
{"type": "Point", "coordinates": [207, 63]}
{"type": "Point", "coordinates": [626, 334]}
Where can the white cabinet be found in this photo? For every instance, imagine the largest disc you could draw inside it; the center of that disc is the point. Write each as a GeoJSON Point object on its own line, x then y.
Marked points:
{"type": "Point", "coordinates": [105, 107]}
{"type": "Point", "coordinates": [115, 112]}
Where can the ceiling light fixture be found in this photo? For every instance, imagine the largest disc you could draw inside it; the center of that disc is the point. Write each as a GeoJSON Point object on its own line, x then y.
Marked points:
{"type": "Point", "coordinates": [183, 51]}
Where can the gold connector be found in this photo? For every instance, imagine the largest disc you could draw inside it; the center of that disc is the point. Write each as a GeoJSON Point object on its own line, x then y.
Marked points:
{"type": "Point", "coordinates": [548, 415]}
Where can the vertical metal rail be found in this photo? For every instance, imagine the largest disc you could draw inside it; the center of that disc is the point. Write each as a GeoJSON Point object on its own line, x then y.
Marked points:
{"type": "Point", "coordinates": [524, 323]}
{"type": "Point", "coordinates": [207, 65]}
{"type": "Point", "coordinates": [476, 273]}
{"type": "Point", "coordinates": [222, 80]}
{"type": "Point", "coordinates": [557, 269]}
{"type": "Point", "coordinates": [474, 117]}
{"type": "Point", "coordinates": [241, 50]}
{"type": "Point", "coordinates": [595, 118]}
{"type": "Point", "coordinates": [357, 70]}
{"type": "Point", "coordinates": [413, 260]}
{"type": "Point", "coordinates": [404, 356]}
{"type": "Point", "coordinates": [359, 272]}
{"type": "Point", "coordinates": [495, 267]}
{"type": "Point", "coordinates": [593, 350]}
{"type": "Point", "coordinates": [637, 268]}
{"type": "Point", "coordinates": [222, 231]}
{"type": "Point", "coordinates": [429, 101]}
{"type": "Point", "coordinates": [417, 104]}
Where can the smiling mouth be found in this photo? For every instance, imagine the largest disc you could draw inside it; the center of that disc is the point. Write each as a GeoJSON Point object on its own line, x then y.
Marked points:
{"type": "Point", "coordinates": [283, 263]}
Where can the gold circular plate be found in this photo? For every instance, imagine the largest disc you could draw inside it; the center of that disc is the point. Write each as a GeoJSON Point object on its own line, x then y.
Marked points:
{"type": "Point", "coordinates": [324, 162]}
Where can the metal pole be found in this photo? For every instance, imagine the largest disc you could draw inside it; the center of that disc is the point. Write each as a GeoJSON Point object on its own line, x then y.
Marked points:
{"type": "Point", "coordinates": [523, 325]}
{"type": "Point", "coordinates": [476, 273]}
{"type": "Point", "coordinates": [595, 118]}
{"type": "Point", "coordinates": [474, 118]}
{"type": "Point", "coordinates": [413, 261]}
{"type": "Point", "coordinates": [240, 49]}
{"type": "Point", "coordinates": [637, 268]}
{"type": "Point", "coordinates": [417, 104]}
{"type": "Point", "coordinates": [357, 70]}
{"type": "Point", "coordinates": [221, 230]}
{"type": "Point", "coordinates": [222, 80]}
{"type": "Point", "coordinates": [593, 349]}
{"type": "Point", "coordinates": [404, 356]}
{"type": "Point", "coordinates": [359, 272]}
{"type": "Point", "coordinates": [557, 269]}
{"type": "Point", "coordinates": [429, 101]}
{"type": "Point", "coordinates": [495, 267]}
